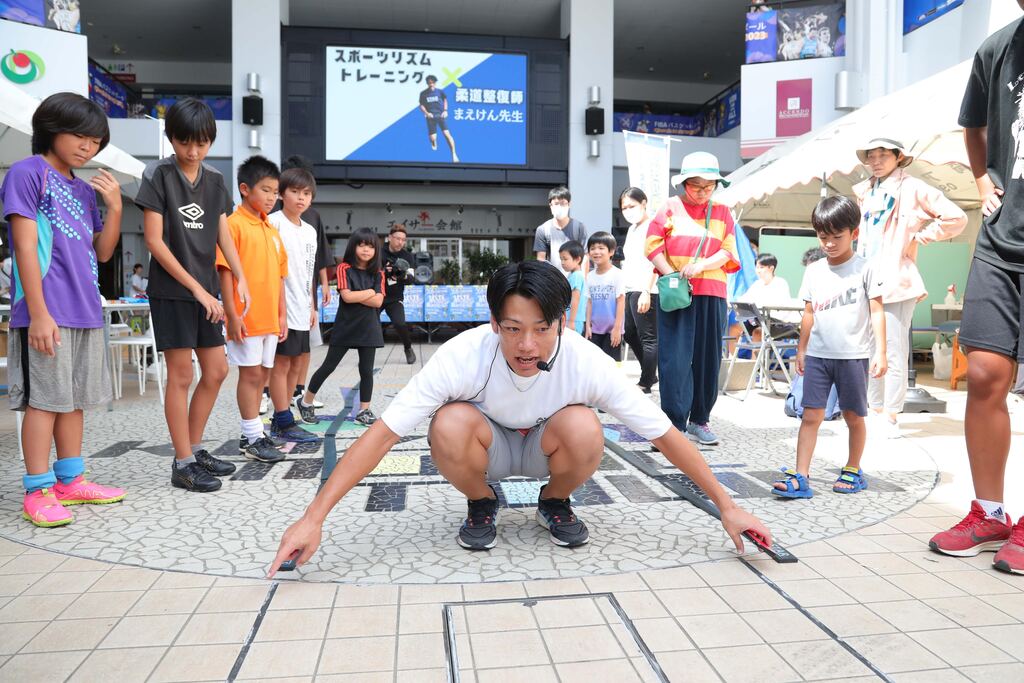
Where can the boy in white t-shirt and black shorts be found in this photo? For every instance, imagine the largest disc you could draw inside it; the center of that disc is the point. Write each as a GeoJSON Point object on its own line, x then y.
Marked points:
{"type": "Point", "coordinates": [843, 309]}
{"type": "Point", "coordinates": [296, 188]}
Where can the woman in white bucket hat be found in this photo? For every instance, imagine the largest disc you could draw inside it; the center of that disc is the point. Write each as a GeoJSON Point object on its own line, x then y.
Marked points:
{"type": "Point", "coordinates": [694, 236]}
{"type": "Point", "coordinates": [899, 213]}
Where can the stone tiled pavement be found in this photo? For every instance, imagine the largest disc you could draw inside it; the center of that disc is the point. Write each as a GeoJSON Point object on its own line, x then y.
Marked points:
{"type": "Point", "coordinates": [858, 605]}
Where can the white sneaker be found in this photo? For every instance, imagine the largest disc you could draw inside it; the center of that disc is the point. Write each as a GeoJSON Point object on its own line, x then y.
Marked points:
{"type": "Point", "coordinates": [880, 427]}
{"type": "Point", "coordinates": [455, 158]}
{"type": "Point", "coordinates": [264, 404]}
{"type": "Point", "coordinates": [433, 145]}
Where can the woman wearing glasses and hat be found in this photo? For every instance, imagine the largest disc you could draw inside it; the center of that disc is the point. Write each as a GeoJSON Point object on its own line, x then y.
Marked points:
{"type": "Point", "coordinates": [899, 213]}
{"type": "Point", "coordinates": [696, 237]}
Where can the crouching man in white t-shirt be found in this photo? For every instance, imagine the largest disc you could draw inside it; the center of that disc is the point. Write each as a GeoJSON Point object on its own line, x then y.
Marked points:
{"type": "Point", "coordinates": [510, 399]}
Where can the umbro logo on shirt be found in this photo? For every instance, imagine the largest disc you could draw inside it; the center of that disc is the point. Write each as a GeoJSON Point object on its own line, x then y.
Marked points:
{"type": "Point", "coordinates": [192, 212]}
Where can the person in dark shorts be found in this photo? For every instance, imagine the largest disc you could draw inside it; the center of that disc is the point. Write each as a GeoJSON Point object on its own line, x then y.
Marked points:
{"type": "Point", "coordinates": [992, 115]}
{"type": "Point", "coordinates": [396, 278]}
{"type": "Point", "coordinates": [185, 206]}
{"type": "Point", "coordinates": [296, 187]}
{"type": "Point", "coordinates": [434, 105]}
{"type": "Point", "coordinates": [842, 314]}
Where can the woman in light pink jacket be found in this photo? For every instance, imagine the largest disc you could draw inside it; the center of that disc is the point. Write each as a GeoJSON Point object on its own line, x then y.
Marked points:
{"type": "Point", "coordinates": [899, 213]}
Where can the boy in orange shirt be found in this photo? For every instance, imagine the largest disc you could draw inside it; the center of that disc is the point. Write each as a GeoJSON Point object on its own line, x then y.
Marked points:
{"type": "Point", "coordinates": [252, 340]}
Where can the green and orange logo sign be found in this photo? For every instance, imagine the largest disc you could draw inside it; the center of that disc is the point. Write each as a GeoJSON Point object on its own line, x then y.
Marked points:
{"type": "Point", "coordinates": [22, 66]}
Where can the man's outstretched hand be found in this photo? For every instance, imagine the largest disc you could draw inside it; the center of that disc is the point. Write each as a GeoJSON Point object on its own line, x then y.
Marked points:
{"type": "Point", "coordinates": [300, 541]}
{"type": "Point", "coordinates": [736, 520]}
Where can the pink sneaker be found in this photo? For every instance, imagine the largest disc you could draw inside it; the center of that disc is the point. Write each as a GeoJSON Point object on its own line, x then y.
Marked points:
{"type": "Point", "coordinates": [974, 534]}
{"type": "Point", "coordinates": [43, 509]}
{"type": "Point", "coordinates": [1010, 557]}
{"type": "Point", "coordinates": [81, 490]}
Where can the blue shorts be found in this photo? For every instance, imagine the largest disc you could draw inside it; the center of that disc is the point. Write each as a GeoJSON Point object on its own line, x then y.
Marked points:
{"type": "Point", "coordinates": [850, 377]}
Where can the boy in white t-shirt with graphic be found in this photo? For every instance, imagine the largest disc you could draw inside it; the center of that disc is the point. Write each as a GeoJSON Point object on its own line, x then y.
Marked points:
{"type": "Point", "coordinates": [296, 187]}
{"type": "Point", "coordinates": [842, 311]}
{"type": "Point", "coordinates": [606, 307]}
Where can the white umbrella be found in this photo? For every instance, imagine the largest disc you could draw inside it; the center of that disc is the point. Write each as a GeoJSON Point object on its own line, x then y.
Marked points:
{"type": "Point", "coordinates": [783, 185]}
{"type": "Point", "coordinates": [16, 109]}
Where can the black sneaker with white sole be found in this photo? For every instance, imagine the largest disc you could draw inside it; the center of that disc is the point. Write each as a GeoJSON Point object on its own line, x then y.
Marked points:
{"type": "Point", "coordinates": [410, 355]}
{"type": "Point", "coordinates": [193, 477]}
{"type": "Point", "coordinates": [366, 417]}
{"type": "Point", "coordinates": [556, 515]}
{"type": "Point", "coordinates": [215, 466]}
{"type": "Point", "coordinates": [480, 531]}
{"type": "Point", "coordinates": [307, 413]}
{"type": "Point", "coordinates": [262, 450]}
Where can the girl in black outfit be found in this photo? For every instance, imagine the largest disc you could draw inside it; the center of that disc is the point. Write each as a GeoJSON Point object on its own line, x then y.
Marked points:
{"type": "Point", "coordinates": [361, 283]}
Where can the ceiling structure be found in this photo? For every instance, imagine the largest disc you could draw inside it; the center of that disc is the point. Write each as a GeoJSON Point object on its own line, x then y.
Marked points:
{"type": "Point", "coordinates": [702, 44]}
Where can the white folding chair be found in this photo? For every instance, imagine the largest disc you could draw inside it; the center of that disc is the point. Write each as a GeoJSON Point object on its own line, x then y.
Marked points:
{"type": "Point", "coordinates": [137, 345]}
{"type": "Point", "coordinates": [766, 353]}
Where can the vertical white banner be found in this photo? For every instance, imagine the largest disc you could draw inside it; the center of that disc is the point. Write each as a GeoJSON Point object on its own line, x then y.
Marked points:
{"type": "Point", "coordinates": [647, 157]}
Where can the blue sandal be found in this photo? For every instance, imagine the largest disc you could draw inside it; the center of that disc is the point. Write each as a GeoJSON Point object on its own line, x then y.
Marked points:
{"type": "Point", "coordinates": [852, 476]}
{"type": "Point", "coordinates": [802, 489]}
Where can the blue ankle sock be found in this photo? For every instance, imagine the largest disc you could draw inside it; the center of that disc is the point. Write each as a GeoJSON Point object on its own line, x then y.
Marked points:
{"type": "Point", "coordinates": [34, 482]}
{"type": "Point", "coordinates": [66, 469]}
{"type": "Point", "coordinates": [284, 419]}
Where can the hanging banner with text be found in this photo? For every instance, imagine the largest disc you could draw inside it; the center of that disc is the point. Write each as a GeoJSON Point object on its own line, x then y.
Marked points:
{"type": "Point", "coordinates": [761, 37]}
{"type": "Point", "coordinates": [917, 13]}
{"type": "Point", "coordinates": [425, 106]}
{"type": "Point", "coordinates": [647, 157]}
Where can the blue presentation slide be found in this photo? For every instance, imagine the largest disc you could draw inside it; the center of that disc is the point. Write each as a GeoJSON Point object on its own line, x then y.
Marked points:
{"type": "Point", "coordinates": [425, 106]}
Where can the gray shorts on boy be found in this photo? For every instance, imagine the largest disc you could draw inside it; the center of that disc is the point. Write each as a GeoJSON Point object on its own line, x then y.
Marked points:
{"type": "Point", "coordinates": [76, 377]}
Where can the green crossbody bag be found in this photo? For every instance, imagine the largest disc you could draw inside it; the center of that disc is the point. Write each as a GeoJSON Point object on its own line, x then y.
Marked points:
{"type": "Point", "coordinates": [674, 290]}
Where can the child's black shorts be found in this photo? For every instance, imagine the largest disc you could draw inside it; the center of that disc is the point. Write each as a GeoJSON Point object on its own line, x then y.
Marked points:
{"type": "Point", "coordinates": [295, 344]}
{"type": "Point", "coordinates": [850, 375]}
{"type": "Point", "coordinates": [181, 324]}
{"type": "Point", "coordinates": [993, 316]}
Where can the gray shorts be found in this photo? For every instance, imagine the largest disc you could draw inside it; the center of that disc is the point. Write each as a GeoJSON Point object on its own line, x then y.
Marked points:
{"type": "Point", "coordinates": [76, 377]}
{"type": "Point", "coordinates": [513, 454]}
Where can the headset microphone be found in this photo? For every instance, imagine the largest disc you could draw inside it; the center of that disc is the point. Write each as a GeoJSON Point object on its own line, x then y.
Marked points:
{"type": "Point", "coordinates": [547, 365]}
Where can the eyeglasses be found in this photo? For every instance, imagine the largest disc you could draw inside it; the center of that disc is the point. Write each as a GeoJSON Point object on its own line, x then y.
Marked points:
{"type": "Point", "coordinates": [701, 189]}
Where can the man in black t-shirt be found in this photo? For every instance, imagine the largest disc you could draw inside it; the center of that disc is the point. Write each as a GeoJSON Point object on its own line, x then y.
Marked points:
{"type": "Point", "coordinates": [434, 105]}
{"type": "Point", "coordinates": [396, 279]}
{"type": "Point", "coordinates": [992, 115]}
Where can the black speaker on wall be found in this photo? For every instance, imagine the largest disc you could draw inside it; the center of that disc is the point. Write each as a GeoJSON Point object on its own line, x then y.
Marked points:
{"type": "Point", "coordinates": [252, 110]}
{"type": "Point", "coordinates": [595, 121]}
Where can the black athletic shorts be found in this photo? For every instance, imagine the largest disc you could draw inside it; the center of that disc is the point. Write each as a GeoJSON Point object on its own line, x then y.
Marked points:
{"type": "Point", "coordinates": [435, 123]}
{"type": "Point", "coordinates": [993, 316]}
{"type": "Point", "coordinates": [181, 324]}
{"type": "Point", "coordinates": [850, 375]}
{"type": "Point", "coordinates": [295, 344]}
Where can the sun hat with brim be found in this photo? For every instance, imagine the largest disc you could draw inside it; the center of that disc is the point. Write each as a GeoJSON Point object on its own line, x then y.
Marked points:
{"type": "Point", "coordinates": [885, 143]}
{"type": "Point", "coordinates": [699, 165]}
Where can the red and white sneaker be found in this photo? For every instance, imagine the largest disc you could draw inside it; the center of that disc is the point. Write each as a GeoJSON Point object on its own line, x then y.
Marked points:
{"type": "Point", "coordinates": [82, 491]}
{"type": "Point", "coordinates": [1010, 557]}
{"type": "Point", "coordinates": [974, 534]}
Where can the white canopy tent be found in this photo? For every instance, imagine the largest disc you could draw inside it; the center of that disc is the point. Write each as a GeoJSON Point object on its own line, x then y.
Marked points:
{"type": "Point", "coordinates": [16, 109]}
{"type": "Point", "coordinates": [782, 186]}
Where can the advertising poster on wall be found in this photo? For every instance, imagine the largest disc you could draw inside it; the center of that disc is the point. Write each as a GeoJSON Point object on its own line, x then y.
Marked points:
{"type": "Point", "coordinates": [64, 15]}
{"type": "Point", "coordinates": [425, 106]}
{"type": "Point", "coordinates": [917, 13]}
{"type": "Point", "coordinates": [761, 39]}
{"type": "Point", "coordinates": [793, 107]}
{"type": "Point", "coordinates": [25, 11]}
{"type": "Point", "coordinates": [812, 31]}
{"type": "Point", "coordinates": [107, 92]}
{"type": "Point", "coordinates": [41, 61]}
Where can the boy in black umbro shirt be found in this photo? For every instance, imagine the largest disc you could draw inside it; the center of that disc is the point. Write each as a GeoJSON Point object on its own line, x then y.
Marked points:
{"type": "Point", "coordinates": [185, 205]}
{"type": "Point", "coordinates": [434, 105]}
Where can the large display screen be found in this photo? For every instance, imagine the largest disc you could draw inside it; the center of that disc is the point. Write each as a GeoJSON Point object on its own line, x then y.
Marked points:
{"type": "Point", "coordinates": [425, 106]}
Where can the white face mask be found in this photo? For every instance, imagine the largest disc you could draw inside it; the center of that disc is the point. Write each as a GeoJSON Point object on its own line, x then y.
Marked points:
{"type": "Point", "coordinates": [633, 215]}
{"type": "Point", "coordinates": [559, 212]}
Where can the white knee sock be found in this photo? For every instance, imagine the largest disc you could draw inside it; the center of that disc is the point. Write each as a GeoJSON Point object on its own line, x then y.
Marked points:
{"type": "Point", "coordinates": [252, 429]}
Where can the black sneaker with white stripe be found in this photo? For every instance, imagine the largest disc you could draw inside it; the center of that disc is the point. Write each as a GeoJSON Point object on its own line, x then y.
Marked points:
{"type": "Point", "coordinates": [262, 450]}
{"type": "Point", "coordinates": [480, 530]}
{"type": "Point", "coordinates": [556, 515]}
